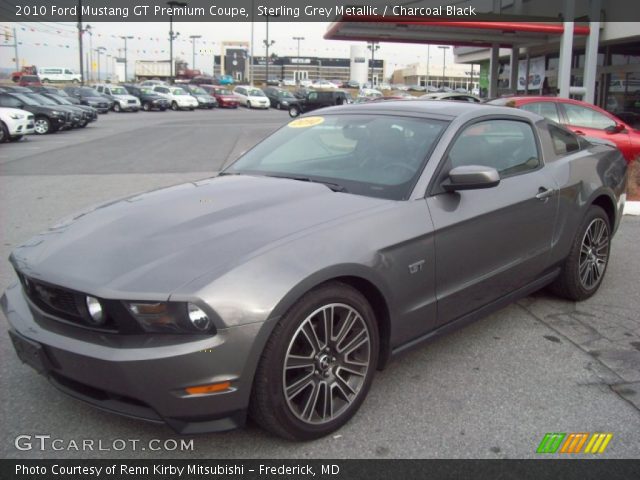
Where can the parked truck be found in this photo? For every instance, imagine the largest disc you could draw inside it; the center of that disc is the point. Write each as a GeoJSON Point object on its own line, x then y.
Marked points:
{"type": "Point", "coordinates": [160, 70]}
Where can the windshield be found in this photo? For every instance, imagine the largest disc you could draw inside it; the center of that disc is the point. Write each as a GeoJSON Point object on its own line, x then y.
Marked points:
{"type": "Point", "coordinates": [42, 100]}
{"type": "Point", "coordinates": [223, 91]}
{"type": "Point", "coordinates": [60, 101]}
{"type": "Point", "coordinates": [25, 99]}
{"type": "Point", "coordinates": [375, 156]}
{"type": "Point", "coordinates": [285, 94]}
{"type": "Point", "coordinates": [147, 91]}
{"type": "Point", "coordinates": [178, 91]}
{"type": "Point", "coordinates": [60, 93]}
{"type": "Point", "coordinates": [88, 92]}
{"type": "Point", "coordinates": [254, 92]}
{"type": "Point", "coordinates": [198, 91]}
{"type": "Point", "coordinates": [118, 91]}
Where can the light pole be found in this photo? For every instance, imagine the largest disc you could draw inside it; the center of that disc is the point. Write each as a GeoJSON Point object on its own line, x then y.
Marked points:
{"type": "Point", "coordinates": [80, 32]}
{"type": "Point", "coordinates": [444, 60]}
{"type": "Point", "coordinates": [298, 39]}
{"type": "Point", "coordinates": [373, 46]}
{"type": "Point", "coordinates": [125, 38]}
{"type": "Point", "coordinates": [267, 44]}
{"type": "Point", "coordinates": [193, 49]}
{"type": "Point", "coordinates": [173, 4]}
{"type": "Point", "coordinates": [107, 79]}
{"type": "Point", "coordinates": [99, 50]}
{"type": "Point", "coordinates": [89, 75]}
{"type": "Point", "coordinates": [426, 83]}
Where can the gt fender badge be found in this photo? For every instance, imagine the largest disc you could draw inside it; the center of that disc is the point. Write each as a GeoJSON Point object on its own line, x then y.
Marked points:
{"type": "Point", "coordinates": [416, 267]}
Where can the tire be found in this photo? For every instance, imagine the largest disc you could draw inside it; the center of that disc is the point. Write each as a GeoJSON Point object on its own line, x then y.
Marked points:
{"type": "Point", "coordinates": [4, 133]}
{"type": "Point", "coordinates": [75, 81]}
{"type": "Point", "coordinates": [278, 106]}
{"type": "Point", "coordinates": [83, 124]}
{"type": "Point", "coordinates": [294, 111]}
{"type": "Point", "coordinates": [42, 125]}
{"type": "Point", "coordinates": [45, 80]}
{"type": "Point", "coordinates": [585, 266]}
{"type": "Point", "coordinates": [146, 107]}
{"type": "Point", "coordinates": [174, 106]}
{"type": "Point", "coordinates": [295, 417]}
{"type": "Point", "coordinates": [249, 105]}
{"type": "Point", "coordinates": [116, 107]}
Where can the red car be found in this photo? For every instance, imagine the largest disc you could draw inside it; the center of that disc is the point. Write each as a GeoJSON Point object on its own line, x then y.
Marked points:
{"type": "Point", "coordinates": [583, 119]}
{"type": "Point", "coordinates": [225, 97]}
{"type": "Point", "coordinates": [29, 81]}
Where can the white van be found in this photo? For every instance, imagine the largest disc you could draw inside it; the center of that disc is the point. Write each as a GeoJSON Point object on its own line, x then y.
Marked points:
{"type": "Point", "coordinates": [58, 74]}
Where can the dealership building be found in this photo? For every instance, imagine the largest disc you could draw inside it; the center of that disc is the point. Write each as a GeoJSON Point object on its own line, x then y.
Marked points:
{"type": "Point", "coordinates": [571, 48]}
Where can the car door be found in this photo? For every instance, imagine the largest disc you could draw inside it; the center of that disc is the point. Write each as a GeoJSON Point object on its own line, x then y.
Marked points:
{"type": "Point", "coordinates": [587, 121]}
{"type": "Point", "coordinates": [490, 242]}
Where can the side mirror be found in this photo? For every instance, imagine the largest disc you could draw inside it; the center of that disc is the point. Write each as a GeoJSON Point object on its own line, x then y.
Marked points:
{"type": "Point", "coordinates": [471, 177]}
{"type": "Point", "coordinates": [617, 128]}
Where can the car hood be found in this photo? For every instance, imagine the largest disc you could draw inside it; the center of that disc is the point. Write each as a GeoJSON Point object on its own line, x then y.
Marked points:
{"type": "Point", "coordinates": [96, 99]}
{"type": "Point", "coordinates": [147, 246]}
{"type": "Point", "coordinates": [125, 97]}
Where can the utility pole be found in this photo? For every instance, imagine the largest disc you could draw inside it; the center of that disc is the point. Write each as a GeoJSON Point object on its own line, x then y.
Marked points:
{"type": "Point", "coordinates": [267, 44]}
{"type": "Point", "coordinates": [373, 46]}
{"type": "Point", "coordinates": [426, 83]}
{"type": "Point", "coordinates": [80, 41]}
{"type": "Point", "coordinates": [298, 39]}
{"type": "Point", "coordinates": [125, 38]}
{"type": "Point", "coordinates": [193, 50]}
{"type": "Point", "coordinates": [172, 36]}
{"type": "Point", "coordinates": [251, 54]}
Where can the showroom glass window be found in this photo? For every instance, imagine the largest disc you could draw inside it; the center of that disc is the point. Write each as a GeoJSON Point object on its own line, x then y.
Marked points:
{"type": "Point", "coordinates": [580, 116]}
{"type": "Point", "coordinates": [509, 146]}
{"type": "Point", "coordinates": [378, 156]}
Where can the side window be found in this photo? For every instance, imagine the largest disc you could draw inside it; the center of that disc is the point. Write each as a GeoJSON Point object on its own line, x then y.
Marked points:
{"type": "Point", "coordinates": [99, 89]}
{"type": "Point", "coordinates": [580, 116]}
{"type": "Point", "coordinates": [509, 146]}
{"type": "Point", "coordinates": [547, 110]}
{"type": "Point", "coordinates": [313, 96]}
{"type": "Point", "coordinates": [563, 140]}
{"type": "Point", "coordinates": [107, 91]}
{"type": "Point", "coordinates": [68, 72]}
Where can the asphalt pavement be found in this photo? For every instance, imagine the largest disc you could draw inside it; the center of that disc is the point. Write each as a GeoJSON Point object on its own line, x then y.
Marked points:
{"type": "Point", "coordinates": [491, 390]}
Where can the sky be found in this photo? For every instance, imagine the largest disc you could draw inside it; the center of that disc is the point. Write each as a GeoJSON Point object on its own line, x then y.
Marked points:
{"type": "Point", "coordinates": [55, 44]}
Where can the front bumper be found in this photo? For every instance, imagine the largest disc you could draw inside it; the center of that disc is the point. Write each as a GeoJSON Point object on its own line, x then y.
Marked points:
{"type": "Point", "coordinates": [129, 107]}
{"type": "Point", "coordinates": [20, 127]}
{"type": "Point", "coordinates": [141, 376]}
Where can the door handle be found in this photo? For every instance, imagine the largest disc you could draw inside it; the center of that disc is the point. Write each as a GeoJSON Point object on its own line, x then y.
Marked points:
{"type": "Point", "coordinates": [544, 193]}
{"type": "Point", "coordinates": [578, 132]}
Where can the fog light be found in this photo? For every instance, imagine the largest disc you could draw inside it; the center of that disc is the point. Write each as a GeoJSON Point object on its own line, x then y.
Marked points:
{"type": "Point", "coordinates": [198, 318]}
{"type": "Point", "coordinates": [211, 388]}
{"type": "Point", "coordinates": [95, 310]}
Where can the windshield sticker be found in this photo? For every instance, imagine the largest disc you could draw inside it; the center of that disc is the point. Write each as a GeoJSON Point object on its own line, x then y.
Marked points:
{"type": "Point", "coordinates": [306, 122]}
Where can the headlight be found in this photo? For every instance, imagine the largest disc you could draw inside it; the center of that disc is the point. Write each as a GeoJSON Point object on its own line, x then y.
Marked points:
{"type": "Point", "coordinates": [200, 100]}
{"type": "Point", "coordinates": [57, 113]}
{"type": "Point", "coordinates": [170, 317]}
{"type": "Point", "coordinates": [16, 116]}
{"type": "Point", "coordinates": [285, 103]}
{"type": "Point", "coordinates": [96, 314]}
{"type": "Point", "coordinates": [198, 318]}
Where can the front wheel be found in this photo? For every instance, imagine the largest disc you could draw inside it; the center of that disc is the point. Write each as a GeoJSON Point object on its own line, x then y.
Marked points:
{"type": "Point", "coordinates": [4, 133]}
{"type": "Point", "coordinates": [146, 107]}
{"type": "Point", "coordinates": [586, 264]}
{"type": "Point", "coordinates": [294, 111]}
{"type": "Point", "coordinates": [42, 125]}
{"type": "Point", "coordinates": [318, 364]}
{"type": "Point", "coordinates": [248, 104]}
{"type": "Point", "coordinates": [174, 106]}
{"type": "Point", "coordinates": [116, 107]}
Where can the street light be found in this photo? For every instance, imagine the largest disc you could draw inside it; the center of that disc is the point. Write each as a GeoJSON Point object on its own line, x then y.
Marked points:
{"type": "Point", "coordinates": [99, 50]}
{"type": "Point", "coordinates": [125, 38]}
{"type": "Point", "coordinates": [444, 60]}
{"type": "Point", "coordinates": [193, 49]}
{"type": "Point", "coordinates": [173, 4]}
{"type": "Point", "coordinates": [267, 44]}
{"type": "Point", "coordinates": [298, 39]}
{"type": "Point", "coordinates": [87, 30]}
{"type": "Point", "coordinates": [373, 46]}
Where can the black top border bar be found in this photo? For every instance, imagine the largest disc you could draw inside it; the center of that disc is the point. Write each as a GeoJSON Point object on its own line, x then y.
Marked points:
{"type": "Point", "coordinates": [293, 11]}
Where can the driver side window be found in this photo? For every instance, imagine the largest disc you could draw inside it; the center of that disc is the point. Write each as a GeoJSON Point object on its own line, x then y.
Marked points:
{"type": "Point", "coordinates": [509, 146]}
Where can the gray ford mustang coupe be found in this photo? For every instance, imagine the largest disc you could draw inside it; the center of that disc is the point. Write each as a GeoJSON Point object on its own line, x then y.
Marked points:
{"type": "Point", "coordinates": [277, 288]}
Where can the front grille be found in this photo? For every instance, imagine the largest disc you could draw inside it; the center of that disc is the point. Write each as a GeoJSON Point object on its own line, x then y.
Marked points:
{"type": "Point", "coordinates": [30, 117]}
{"type": "Point", "coordinates": [68, 117]}
{"type": "Point", "coordinates": [131, 102]}
{"type": "Point", "coordinates": [102, 105]}
{"type": "Point", "coordinates": [69, 306]}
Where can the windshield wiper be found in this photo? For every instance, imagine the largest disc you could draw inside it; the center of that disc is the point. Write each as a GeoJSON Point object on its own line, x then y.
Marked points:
{"type": "Point", "coordinates": [333, 186]}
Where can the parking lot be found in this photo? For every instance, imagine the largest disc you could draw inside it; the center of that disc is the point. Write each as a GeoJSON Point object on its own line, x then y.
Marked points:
{"type": "Point", "coordinates": [491, 390]}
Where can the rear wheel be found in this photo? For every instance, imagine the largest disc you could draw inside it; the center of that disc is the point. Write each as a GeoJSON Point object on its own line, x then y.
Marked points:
{"type": "Point", "coordinates": [294, 111]}
{"type": "Point", "coordinates": [45, 80]}
{"type": "Point", "coordinates": [42, 125]}
{"type": "Point", "coordinates": [318, 364]}
{"type": "Point", "coordinates": [586, 264]}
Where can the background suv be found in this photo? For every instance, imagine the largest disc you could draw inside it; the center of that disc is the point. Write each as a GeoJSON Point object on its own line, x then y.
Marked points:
{"type": "Point", "coordinates": [123, 101]}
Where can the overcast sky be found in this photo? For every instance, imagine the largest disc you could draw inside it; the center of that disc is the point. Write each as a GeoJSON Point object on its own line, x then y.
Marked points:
{"type": "Point", "coordinates": [55, 44]}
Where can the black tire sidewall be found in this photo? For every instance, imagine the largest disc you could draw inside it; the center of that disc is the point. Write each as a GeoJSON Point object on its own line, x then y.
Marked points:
{"type": "Point", "coordinates": [273, 362]}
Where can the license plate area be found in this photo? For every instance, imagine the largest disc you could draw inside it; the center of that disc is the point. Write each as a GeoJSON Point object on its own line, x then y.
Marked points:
{"type": "Point", "coordinates": [30, 353]}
